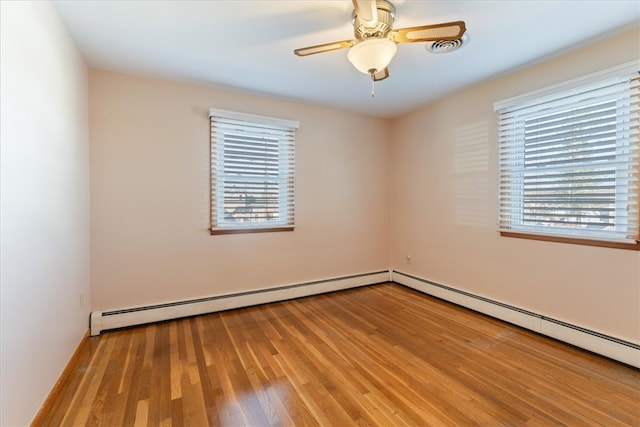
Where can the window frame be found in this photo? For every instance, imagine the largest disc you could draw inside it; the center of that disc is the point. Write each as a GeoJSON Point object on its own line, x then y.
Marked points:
{"type": "Point", "coordinates": [507, 182]}
{"type": "Point", "coordinates": [225, 122]}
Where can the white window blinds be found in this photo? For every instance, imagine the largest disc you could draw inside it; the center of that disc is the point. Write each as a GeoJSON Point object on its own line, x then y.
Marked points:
{"type": "Point", "coordinates": [569, 160]}
{"type": "Point", "coordinates": [252, 172]}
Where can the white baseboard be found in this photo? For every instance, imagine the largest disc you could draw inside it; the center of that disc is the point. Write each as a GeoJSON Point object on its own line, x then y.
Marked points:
{"type": "Point", "coordinates": [614, 348]}
{"type": "Point", "coordinates": [113, 319]}
{"type": "Point", "coordinates": [611, 347]}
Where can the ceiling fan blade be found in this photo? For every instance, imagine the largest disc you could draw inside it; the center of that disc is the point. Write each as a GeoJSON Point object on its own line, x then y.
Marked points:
{"type": "Point", "coordinates": [430, 33]}
{"type": "Point", "coordinates": [327, 47]}
{"type": "Point", "coordinates": [367, 12]}
{"type": "Point", "coordinates": [381, 75]}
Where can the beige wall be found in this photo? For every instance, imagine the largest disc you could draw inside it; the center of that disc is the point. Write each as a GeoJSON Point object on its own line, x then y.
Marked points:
{"type": "Point", "coordinates": [443, 208]}
{"type": "Point", "coordinates": [431, 175]}
{"type": "Point", "coordinates": [150, 196]}
{"type": "Point", "coordinates": [44, 255]}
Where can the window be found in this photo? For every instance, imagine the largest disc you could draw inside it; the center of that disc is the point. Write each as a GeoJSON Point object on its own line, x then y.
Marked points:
{"type": "Point", "coordinates": [252, 173]}
{"type": "Point", "coordinates": [568, 161]}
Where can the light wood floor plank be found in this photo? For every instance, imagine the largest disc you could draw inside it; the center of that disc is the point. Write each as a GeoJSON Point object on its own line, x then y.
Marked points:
{"type": "Point", "coordinates": [381, 355]}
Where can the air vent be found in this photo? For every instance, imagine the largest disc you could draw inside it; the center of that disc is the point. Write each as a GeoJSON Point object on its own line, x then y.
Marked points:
{"type": "Point", "coordinates": [446, 46]}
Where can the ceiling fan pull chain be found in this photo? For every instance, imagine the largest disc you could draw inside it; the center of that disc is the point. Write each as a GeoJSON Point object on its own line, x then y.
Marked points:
{"type": "Point", "coordinates": [373, 86]}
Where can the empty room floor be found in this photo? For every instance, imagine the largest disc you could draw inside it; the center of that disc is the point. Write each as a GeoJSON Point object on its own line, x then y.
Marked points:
{"type": "Point", "coordinates": [381, 355]}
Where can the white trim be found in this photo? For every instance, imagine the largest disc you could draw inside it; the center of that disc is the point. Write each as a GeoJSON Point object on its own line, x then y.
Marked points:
{"type": "Point", "coordinates": [611, 347]}
{"type": "Point", "coordinates": [611, 72]}
{"type": "Point", "coordinates": [254, 118]}
{"type": "Point", "coordinates": [112, 319]}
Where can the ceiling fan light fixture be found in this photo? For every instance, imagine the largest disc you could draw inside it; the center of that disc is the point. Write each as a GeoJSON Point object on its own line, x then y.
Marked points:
{"type": "Point", "coordinates": [372, 55]}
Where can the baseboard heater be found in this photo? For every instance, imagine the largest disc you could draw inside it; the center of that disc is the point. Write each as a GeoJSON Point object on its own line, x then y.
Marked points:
{"type": "Point", "coordinates": [605, 345]}
{"type": "Point", "coordinates": [114, 319]}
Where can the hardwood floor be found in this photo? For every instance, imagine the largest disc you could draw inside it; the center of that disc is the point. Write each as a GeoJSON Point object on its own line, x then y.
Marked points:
{"type": "Point", "coordinates": [381, 355]}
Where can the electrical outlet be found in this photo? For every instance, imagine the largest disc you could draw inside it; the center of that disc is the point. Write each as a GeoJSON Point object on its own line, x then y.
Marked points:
{"type": "Point", "coordinates": [82, 300]}
{"type": "Point", "coordinates": [408, 259]}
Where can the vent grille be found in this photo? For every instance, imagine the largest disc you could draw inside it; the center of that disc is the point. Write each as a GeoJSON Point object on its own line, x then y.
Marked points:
{"type": "Point", "coordinates": [445, 46]}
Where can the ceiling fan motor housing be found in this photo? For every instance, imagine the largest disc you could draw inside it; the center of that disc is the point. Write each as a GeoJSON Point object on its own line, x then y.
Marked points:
{"type": "Point", "coordinates": [386, 15]}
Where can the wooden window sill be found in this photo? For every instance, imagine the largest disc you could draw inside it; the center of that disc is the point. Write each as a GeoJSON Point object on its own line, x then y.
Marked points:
{"type": "Point", "coordinates": [575, 241]}
{"type": "Point", "coordinates": [215, 232]}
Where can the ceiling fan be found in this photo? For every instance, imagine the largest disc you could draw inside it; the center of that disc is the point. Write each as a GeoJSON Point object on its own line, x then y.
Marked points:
{"type": "Point", "coordinates": [375, 40]}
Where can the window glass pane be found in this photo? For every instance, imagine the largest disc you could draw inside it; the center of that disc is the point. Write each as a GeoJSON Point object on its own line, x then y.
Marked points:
{"type": "Point", "coordinates": [252, 174]}
{"type": "Point", "coordinates": [568, 163]}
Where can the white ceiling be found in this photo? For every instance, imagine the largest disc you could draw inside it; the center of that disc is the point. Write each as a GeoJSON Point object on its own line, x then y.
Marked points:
{"type": "Point", "coordinates": [248, 45]}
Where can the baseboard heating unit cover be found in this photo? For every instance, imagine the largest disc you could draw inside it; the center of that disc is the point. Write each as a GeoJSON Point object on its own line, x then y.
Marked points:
{"type": "Point", "coordinates": [113, 319]}
{"type": "Point", "coordinates": [605, 345]}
